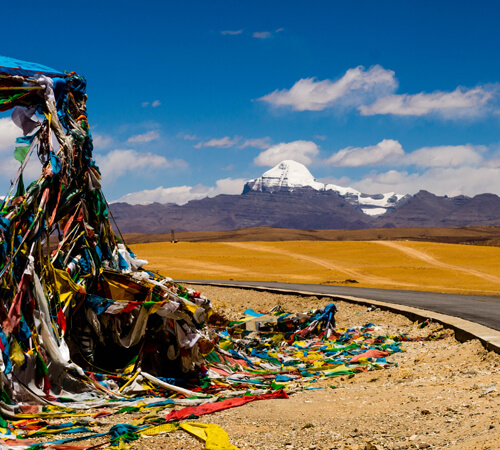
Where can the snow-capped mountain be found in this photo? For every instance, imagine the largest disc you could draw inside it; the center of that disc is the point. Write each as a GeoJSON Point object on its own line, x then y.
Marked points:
{"type": "Point", "coordinates": [290, 176]}
{"type": "Point", "coordinates": [288, 196]}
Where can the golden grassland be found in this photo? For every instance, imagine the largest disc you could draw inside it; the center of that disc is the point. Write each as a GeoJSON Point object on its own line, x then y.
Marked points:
{"type": "Point", "coordinates": [405, 265]}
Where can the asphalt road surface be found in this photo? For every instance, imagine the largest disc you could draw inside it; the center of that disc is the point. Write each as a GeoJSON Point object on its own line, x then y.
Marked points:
{"type": "Point", "coordinates": [480, 309]}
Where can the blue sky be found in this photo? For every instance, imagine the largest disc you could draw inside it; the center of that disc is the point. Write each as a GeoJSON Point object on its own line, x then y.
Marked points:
{"type": "Point", "coordinates": [193, 98]}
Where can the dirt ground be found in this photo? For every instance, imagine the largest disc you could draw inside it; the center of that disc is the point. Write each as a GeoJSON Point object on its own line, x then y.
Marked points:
{"type": "Point", "coordinates": [442, 394]}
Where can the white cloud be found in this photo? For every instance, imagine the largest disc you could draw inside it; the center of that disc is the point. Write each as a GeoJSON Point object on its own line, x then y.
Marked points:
{"type": "Point", "coordinates": [446, 156]}
{"type": "Point", "coordinates": [391, 151]}
{"type": "Point", "coordinates": [320, 137]}
{"type": "Point", "coordinates": [225, 142]}
{"type": "Point", "coordinates": [231, 32]}
{"type": "Point", "coordinates": [9, 166]}
{"type": "Point", "coordinates": [385, 151]}
{"type": "Point", "coordinates": [279, 30]}
{"type": "Point", "coordinates": [372, 92]}
{"type": "Point", "coordinates": [228, 186]}
{"type": "Point", "coordinates": [101, 141]}
{"type": "Point", "coordinates": [261, 143]}
{"type": "Point", "coordinates": [440, 181]}
{"type": "Point", "coordinates": [459, 103]}
{"type": "Point", "coordinates": [300, 151]}
{"type": "Point", "coordinates": [32, 171]}
{"type": "Point", "coordinates": [493, 163]}
{"type": "Point", "coordinates": [188, 137]}
{"type": "Point", "coordinates": [143, 138]}
{"type": "Point", "coordinates": [262, 34]}
{"type": "Point", "coordinates": [153, 104]}
{"type": "Point", "coordinates": [357, 86]}
{"type": "Point", "coordinates": [9, 131]}
{"type": "Point", "coordinates": [183, 194]}
{"type": "Point", "coordinates": [117, 163]}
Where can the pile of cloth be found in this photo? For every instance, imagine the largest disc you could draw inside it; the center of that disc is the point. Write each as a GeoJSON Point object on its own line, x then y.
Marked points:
{"type": "Point", "coordinates": [242, 366]}
{"type": "Point", "coordinates": [74, 300]}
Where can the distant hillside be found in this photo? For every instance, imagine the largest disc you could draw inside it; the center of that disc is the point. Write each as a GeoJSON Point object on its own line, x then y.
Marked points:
{"type": "Point", "coordinates": [488, 235]}
{"type": "Point", "coordinates": [429, 210]}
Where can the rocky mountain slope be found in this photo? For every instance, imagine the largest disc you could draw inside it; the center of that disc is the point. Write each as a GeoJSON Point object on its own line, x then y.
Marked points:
{"type": "Point", "coordinates": [292, 176]}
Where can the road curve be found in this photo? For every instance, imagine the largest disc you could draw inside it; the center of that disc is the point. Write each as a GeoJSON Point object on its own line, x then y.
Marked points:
{"type": "Point", "coordinates": [479, 309]}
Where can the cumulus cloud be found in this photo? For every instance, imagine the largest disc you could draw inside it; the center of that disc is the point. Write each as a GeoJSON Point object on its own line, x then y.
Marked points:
{"type": "Point", "coordinates": [385, 151]}
{"type": "Point", "coordinates": [183, 194]}
{"type": "Point", "coordinates": [357, 86]}
{"type": "Point", "coordinates": [300, 151]}
{"type": "Point", "coordinates": [439, 180]}
{"type": "Point", "coordinates": [372, 92]}
{"type": "Point", "coordinates": [261, 143]}
{"type": "Point", "coordinates": [145, 137]}
{"type": "Point", "coordinates": [456, 104]}
{"type": "Point", "coordinates": [231, 32]}
{"type": "Point", "coordinates": [9, 131]}
{"type": "Point", "coordinates": [262, 34]}
{"type": "Point", "coordinates": [391, 151]}
{"type": "Point", "coordinates": [225, 142]}
{"type": "Point", "coordinates": [117, 163]}
{"type": "Point", "coordinates": [446, 156]}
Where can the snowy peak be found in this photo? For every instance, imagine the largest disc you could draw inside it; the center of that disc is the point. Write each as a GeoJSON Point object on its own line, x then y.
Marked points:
{"type": "Point", "coordinates": [287, 175]}
{"type": "Point", "coordinates": [290, 176]}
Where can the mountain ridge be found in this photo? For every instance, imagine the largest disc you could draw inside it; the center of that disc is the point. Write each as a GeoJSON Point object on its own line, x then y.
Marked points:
{"type": "Point", "coordinates": [293, 199]}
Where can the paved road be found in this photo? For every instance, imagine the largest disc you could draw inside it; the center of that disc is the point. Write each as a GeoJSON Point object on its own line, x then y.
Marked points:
{"type": "Point", "coordinates": [476, 308]}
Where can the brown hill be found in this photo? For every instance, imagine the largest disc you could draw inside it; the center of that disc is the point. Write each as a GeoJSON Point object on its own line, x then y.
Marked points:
{"type": "Point", "coordinates": [484, 235]}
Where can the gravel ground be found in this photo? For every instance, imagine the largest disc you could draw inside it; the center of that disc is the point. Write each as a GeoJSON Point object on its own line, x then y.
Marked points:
{"type": "Point", "coordinates": [440, 395]}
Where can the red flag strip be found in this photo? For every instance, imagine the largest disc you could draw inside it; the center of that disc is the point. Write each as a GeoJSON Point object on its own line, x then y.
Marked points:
{"type": "Point", "coordinates": [369, 354]}
{"type": "Point", "coordinates": [209, 408]}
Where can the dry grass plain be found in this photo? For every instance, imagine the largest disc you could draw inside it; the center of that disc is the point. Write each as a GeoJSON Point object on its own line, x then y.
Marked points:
{"type": "Point", "coordinates": [428, 266]}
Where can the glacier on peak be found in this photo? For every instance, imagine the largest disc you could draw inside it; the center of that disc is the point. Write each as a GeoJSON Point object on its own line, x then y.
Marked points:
{"type": "Point", "coordinates": [291, 175]}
